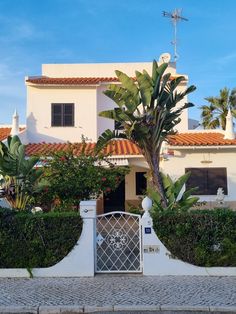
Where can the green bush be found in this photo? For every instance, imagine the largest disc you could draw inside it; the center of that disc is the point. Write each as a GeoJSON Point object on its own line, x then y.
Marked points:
{"type": "Point", "coordinates": [203, 238]}
{"type": "Point", "coordinates": [69, 179]}
{"type": "Point", "coordinates": [39, 240]}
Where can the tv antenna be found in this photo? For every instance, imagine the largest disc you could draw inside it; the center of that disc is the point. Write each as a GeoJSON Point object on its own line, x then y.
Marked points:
{"type": "Point", "coordinates": [175, 17]}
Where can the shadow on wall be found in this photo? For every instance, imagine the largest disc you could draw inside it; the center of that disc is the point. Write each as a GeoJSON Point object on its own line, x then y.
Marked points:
{"type": "Point", "coordinates": [34, 136]}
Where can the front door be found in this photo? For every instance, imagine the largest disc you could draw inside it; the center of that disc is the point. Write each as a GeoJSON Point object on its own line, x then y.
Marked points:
{"type": "Point", "coordinates": [115, 200]}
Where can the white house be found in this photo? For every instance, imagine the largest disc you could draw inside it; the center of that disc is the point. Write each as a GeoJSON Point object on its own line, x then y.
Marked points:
{"type": "Point", "coordinates": [63, 105]}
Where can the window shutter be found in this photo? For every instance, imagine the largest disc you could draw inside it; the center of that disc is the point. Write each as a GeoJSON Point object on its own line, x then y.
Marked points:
{"type": "Point", "coordinates": [62, 114]}
{"type": "Point", "coordinates": [208, 180]}
{"type": "Point", "coordinates": [68, 115]}
{"type": "Point", "coordinates": [217, 178]}
{"type": "Point", "coordinates": [56, 117]}
{"type": "Point", "coordinates": [198, 178]}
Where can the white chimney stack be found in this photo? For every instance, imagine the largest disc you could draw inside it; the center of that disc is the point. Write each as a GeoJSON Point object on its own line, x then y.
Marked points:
{"type": "Point", "coordinates": [229, 128]}
{"type": "Point", "coordinates": [15, 124]}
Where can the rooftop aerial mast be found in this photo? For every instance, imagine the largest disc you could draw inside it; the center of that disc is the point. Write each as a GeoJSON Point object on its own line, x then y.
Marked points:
{"type": "Point", "coordinates": [175, 17]}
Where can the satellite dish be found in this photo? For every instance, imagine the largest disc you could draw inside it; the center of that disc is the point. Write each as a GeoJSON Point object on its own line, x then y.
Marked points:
{"type": "Point", "coordinates": [165, 57]}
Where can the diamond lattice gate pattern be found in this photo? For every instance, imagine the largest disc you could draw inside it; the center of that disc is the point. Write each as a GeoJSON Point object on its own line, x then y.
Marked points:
{"type": "Point", "coordinates": [118, 243]}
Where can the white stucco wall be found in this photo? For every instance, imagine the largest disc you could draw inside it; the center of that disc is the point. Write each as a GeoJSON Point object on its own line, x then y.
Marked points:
{"type": "Point", "coordinates": [39, 101]}
{"type": "Point", "coordinates": [158, 261]}
{"type": "Point", "coordinates": [104, 103]}
{"type": "Point", "coordinates": [204, 158]}
{"type": "Point", "coordinates": [98, 69]}
{"type": "Point", "coordinates": [89, 101]}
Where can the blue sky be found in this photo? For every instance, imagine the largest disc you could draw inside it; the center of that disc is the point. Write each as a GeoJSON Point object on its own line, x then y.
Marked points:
{"type": "Point", "coordinates": [80, 31]}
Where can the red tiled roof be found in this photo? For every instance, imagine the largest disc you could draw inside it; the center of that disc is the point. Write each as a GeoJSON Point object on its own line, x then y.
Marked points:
{"type": "Point", "coordinates": [75, 80]}
{"type": "Point", "coordinates": [199, 139]}
{"type": "Point", "coordinates": [125, 147]}
{"type": "Point", "coordinates": [118, 147]}
{"type": "Point", "coordinates": [72, 80]}
{"type": "Point", "coordinates": [5, 132]}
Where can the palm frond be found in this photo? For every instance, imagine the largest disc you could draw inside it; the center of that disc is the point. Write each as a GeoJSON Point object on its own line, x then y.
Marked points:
{"type": "Point", "coordinates": [106, 137]}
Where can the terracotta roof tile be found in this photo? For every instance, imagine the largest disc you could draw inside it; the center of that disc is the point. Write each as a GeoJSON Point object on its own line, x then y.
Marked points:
{"type": "Point", "coordinates": [199, 139]}
{"type": "Point", "coordinates": [74, 80]}
{"type": "Point", "coordinates": [5, 132]}
{"type": "Point", "coordinates": [117, 147]}
{"type": "Point", "coordinates": [125, 147]}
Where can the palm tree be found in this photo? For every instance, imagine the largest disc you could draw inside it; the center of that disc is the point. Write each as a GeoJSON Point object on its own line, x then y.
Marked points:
{"type": "Point", "coordinates": [147, 111]}
{"type": "Point", "coordinates": [214, 114]}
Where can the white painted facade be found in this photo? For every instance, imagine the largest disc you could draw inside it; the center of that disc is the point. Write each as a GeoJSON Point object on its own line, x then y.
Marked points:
{"type": "Point", "coordinates": [89, 100]}
{"type": "Point", "coordinates": [200, 157]}
{"type": "Point", "coordinates": [39, 101]}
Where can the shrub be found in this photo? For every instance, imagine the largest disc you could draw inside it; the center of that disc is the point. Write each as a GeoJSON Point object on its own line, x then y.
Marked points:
{"type": "Point", "coordinates": [72, 178]}
{"type": "Point", "coordinates": [39, 240]}
{"type": "Point", "coordinates": [178, 198]}
{"type": "Point", "coordinates": [203, 238]}
{"type": "Point", "coordinates": [20, 179]}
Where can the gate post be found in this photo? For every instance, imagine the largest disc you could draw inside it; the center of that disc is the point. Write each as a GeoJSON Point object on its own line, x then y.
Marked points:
{"type": "Point", "coordinates": [150, 241]}
{"type": "Point", "coordinates": [87, 238]}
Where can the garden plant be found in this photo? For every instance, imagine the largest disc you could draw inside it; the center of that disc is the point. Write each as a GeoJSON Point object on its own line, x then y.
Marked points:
{"type": "Point", "coordinates": [20, 178]}
{"type": "Point", "coordinates": [75, 175]}
{"type": "Point", "coordinates": [148, 111]}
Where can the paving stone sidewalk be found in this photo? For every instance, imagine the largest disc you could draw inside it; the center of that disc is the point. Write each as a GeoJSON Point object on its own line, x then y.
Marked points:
{"type": "Point", "coordinates": [109, 293]}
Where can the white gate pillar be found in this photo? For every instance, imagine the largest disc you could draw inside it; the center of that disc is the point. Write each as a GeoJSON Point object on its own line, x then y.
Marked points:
{"type": "Point", "coordinates": [150, 241]}
{"type": "Point", "coordinates": [87, 238]}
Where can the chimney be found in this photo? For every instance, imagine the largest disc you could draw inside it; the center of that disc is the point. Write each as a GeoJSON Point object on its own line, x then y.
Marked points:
{"type": "Point", "coordinates": [15, 124]}
{"type": "Point", "coordinates": [229, 128]}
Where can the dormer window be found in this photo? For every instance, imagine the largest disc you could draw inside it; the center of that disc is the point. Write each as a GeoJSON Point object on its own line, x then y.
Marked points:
{"type": "Point", "coordinates": [62, 114]}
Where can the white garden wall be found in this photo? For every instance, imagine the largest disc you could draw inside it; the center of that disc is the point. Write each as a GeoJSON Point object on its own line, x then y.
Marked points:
{"type": "Point", "coordinates": [156, 258]}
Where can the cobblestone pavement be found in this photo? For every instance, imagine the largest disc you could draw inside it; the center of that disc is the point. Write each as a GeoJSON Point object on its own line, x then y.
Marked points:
{"type": "Point", "coordinates": [121, 292]}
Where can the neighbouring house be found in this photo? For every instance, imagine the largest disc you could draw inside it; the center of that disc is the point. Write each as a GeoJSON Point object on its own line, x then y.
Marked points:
{"type": "Point", "coordinates": [63, 105]}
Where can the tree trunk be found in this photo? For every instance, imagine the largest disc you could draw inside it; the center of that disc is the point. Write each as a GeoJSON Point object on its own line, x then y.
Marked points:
{"type": "Point", "coordinates": [153, 161]}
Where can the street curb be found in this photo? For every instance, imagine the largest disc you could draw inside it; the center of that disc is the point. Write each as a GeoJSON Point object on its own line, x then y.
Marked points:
{"type": "Point", "coordinates": [122, 309]}
{"type": "Point", "coordinates": [11, 309]}
{"type": "Point", "coordinates": [131, 308]}
{"type": "Point", "coordinates": [94, 309]}
{"type": "Point", "coordinates": [223, 309]}
{"type": "Point", "coordinates": [190, 308]}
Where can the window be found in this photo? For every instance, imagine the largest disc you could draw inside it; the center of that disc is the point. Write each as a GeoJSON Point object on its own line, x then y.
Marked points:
{"type": "Point", "coordinates": [208, 180]}
{"type": "Point", "coordinates": [141, 183]}
{"type": "Point", "coordinates": [62, 114]}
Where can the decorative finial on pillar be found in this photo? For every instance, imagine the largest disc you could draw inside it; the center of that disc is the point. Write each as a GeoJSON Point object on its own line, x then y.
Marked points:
{"type": "Point", "coordinates": [229, 128]}
{"type": "Point", "coordinates": [15, 124]}
{"type": "Point", "coordinates": [146, 205]}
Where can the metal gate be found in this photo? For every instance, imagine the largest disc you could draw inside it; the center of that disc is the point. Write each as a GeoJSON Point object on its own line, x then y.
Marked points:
{"type": "Point", "coordinates": [118, 243]}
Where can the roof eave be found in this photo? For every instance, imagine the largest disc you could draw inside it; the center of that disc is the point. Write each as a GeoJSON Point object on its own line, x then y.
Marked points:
{"type": "Point", "coordinates": [193, 147]}
{"type": "Point", "coordinates": [61, 85]}
{"type": "Point", "coordinates": [126, 156]}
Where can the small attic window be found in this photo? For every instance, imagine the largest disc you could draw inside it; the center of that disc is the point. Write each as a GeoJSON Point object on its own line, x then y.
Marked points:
{"type": "Point", "coordinates": [62, 114]}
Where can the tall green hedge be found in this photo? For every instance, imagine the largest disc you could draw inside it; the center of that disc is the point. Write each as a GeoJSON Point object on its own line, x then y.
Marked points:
{"type": "Point", "coordinates": [203, 238]}
{"type": "Point", "coordinates": [39, 240]}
